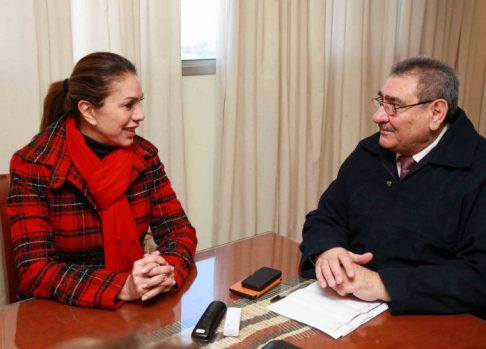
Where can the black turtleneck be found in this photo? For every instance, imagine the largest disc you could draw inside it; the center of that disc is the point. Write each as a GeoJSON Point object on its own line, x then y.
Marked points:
{"type": "Point", "coordinates": [100, 149]}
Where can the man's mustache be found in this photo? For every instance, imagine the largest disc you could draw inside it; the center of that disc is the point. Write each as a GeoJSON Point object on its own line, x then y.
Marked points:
{"type": "Point", "coordinates": [384, 127]}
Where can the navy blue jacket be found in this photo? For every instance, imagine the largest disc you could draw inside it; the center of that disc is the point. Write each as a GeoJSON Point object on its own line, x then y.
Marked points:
{"type": "Point", "coordinates": [427, 233]}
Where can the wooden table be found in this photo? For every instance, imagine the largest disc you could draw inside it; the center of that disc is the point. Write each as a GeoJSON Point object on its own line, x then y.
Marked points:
{"type": "Point", "coordinates": [42, 323]}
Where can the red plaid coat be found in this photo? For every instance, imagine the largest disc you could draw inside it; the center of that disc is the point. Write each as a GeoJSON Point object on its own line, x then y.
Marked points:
{"type": "Point", "coordinates": [56, 225]}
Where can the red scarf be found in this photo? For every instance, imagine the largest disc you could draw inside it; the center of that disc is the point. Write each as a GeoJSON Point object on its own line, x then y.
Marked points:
{"type": "Point", "coordinates": [108, 180]}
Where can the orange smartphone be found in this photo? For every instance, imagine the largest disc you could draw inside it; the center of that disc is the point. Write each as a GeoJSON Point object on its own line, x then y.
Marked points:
{"type": "Point", "coordinates": [238, 289]}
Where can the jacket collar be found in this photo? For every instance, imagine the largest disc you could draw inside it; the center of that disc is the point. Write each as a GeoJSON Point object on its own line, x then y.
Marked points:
{"type": "Point", "coordinates": [49, 148]}
{"type": "Point", "coordinates": [455, 149]}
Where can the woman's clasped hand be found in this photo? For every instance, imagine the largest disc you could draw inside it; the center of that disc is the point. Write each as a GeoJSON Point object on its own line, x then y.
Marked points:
{"type": "Point", "coordinates": [150, 276]}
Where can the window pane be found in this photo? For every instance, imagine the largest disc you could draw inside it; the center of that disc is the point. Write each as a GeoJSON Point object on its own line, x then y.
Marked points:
{"type": "Point", "coordinates": [198, 28]}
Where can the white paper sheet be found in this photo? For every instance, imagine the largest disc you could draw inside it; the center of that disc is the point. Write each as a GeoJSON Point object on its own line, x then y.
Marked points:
{"type": "Point", "coordinates": [325, 310]}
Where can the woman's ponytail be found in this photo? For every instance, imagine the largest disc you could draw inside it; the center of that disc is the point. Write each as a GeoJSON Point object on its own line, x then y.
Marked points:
{"type": "Point", "coordinates": [55, 104]}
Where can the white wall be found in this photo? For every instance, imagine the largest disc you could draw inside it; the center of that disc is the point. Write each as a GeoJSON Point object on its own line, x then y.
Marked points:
{"type": "Point", "coordinates": [198, 109]}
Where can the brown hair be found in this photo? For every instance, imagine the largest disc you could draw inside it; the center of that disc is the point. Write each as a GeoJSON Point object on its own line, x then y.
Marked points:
{"type": "Point", "coordinates": [90, 81]}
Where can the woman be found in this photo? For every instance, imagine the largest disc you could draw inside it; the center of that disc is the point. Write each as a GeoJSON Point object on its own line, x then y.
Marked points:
{"type": "Point", "coordinates": [86, 189]}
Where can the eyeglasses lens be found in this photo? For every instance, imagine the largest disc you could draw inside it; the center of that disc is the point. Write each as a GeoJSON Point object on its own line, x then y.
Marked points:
{"type": "Point", "coordinates": [389, 108]}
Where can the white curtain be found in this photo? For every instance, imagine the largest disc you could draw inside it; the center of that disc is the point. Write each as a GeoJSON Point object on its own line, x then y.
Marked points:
{"type": "Point", "coordinates": [35, 49]}
{"type": "Point", "coordinates": [295, 83]}
{"type": "Point", "coordinates": [42, 40]}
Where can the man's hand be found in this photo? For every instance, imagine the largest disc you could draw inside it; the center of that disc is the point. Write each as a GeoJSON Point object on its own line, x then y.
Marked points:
{"type": "Point", "coordinates": [366, 285]}
{"type": "Point", "coordinates": [336, 263]}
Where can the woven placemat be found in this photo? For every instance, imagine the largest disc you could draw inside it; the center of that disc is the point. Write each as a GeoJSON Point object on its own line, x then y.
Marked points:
{"type": "Point", "coordinates": [258, 325]}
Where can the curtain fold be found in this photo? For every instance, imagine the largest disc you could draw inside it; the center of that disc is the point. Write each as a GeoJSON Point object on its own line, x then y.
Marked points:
{"type": "Point", "coordinates": [295, 80]}
{"type": "Point", "coordinates": [54, 42]}
{"type": "Point", "coordinates": [162, 84]}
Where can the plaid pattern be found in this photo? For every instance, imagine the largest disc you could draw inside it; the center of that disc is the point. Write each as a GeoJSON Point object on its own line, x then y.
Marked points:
{"type": "Point", "coordinates": [56, 226]}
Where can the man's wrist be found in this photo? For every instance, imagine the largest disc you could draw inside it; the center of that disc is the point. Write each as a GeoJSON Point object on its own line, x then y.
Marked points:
{"type": "Point", "coordinates": [383, 293]}
{"type": "Point", "coordinates": [313, 259]}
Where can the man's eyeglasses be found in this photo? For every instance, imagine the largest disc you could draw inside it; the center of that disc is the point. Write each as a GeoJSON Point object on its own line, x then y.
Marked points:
{"type": "Point", "coordinates": [392, 109]}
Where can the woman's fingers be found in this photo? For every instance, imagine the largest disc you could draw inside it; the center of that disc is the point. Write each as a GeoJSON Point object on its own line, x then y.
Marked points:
{"type": "Point", "coordinates": [161, 279]}
{"type": "Point", "coordinates": [159, 269]}
{"type": "Point", "coordinates": [164, 285]}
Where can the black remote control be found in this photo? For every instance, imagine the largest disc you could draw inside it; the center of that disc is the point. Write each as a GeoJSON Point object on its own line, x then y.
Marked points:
{"type": "Point", "coordinates": [209, 321]}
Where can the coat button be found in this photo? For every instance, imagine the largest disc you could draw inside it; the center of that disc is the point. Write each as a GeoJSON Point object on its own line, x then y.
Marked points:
{"type": "Point", "coordinates": [388, 184]}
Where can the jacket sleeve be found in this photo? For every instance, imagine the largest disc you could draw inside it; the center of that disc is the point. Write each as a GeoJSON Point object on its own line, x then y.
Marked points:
{"type": "Point", "coordinates": [173, 233]}
{"type": "Point", "coordinates": [38, 262]}
{"type": "Point", "coordinates": [454, 286]}
{"type": "Point", "coordinates": [327, 226]}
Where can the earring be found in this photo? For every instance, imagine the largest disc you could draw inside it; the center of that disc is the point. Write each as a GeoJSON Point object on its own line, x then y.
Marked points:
{"type": "Point", "coordinates": [93, 122]}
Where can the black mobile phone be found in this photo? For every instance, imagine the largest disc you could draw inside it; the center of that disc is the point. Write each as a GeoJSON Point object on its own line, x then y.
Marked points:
{"type": "Point", "coordinates": [238, 289]}
{"type": "Point", "coordinates": [261, 278]}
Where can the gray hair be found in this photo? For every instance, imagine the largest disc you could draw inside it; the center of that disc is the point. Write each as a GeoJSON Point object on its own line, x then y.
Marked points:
{"type": "Point", "coordinates": [436, 79]}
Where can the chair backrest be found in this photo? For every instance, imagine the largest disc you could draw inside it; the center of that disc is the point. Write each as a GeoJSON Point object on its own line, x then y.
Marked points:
{"type": "Point", "coordinates": [12, 275]}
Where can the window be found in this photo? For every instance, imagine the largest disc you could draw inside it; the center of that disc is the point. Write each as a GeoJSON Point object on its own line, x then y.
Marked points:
{"type": "Point", "coordinates": [199, 20]}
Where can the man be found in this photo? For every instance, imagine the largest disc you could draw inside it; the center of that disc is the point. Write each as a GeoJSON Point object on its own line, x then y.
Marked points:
{"type": "Point", "coordinates": [405, 220]}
